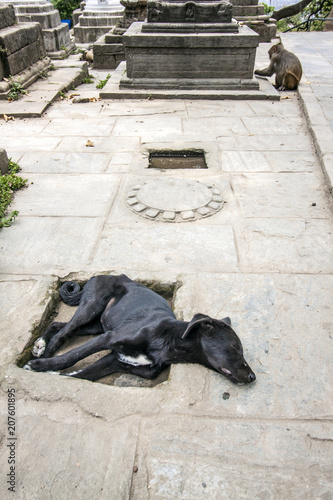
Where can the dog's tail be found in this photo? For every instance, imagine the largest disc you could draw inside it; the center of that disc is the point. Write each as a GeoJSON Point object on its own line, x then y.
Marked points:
{"type": "Point", "coordinates": [71, 293]}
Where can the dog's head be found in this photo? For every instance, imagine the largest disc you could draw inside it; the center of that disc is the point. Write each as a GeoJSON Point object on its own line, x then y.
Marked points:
{"type": "Point", "coordinates": [222, 349]}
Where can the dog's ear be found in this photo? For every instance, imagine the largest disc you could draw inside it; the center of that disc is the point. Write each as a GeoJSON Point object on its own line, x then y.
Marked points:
{"type": "Point", "coordinates": [198, 319]}
{"type": "Point", "coordinates": [226, 320]}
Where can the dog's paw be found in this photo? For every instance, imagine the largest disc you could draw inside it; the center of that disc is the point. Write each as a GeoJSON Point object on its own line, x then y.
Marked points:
{"type": "Point", "coordinates": [39, 348]}
{"type": "Point", "coordinates": [36, 365]}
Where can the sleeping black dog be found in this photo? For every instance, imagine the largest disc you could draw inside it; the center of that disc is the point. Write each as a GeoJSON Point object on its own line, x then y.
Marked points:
{"type": "Point", "coordinates": [139, 328]}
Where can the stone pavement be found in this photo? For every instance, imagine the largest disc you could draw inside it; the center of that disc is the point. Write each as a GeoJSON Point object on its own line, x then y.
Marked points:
{"type": "Point", "coordinates": [264, 259]}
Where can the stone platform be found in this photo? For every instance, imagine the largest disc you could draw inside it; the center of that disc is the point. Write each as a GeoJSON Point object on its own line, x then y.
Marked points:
{"type": "Point", "coordinates": [202, 60]}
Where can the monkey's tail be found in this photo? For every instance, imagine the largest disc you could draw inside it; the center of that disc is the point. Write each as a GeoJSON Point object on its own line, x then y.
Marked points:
{"type": "Point", "coordinates": [71, 293]}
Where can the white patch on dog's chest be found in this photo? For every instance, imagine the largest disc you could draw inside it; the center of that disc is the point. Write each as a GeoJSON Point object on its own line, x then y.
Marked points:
{"type": "Point", "coordinates": [139, 360]}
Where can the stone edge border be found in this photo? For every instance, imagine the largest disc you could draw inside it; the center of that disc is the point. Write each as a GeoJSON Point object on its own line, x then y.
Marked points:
{"type": "Point", "coordinates": [212, 207]}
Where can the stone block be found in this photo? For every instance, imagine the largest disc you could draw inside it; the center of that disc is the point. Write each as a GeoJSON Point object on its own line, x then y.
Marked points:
{"type": "Point", "coordinates": [266, 31]}
{"type": "Point", "coordinates": [46, 20]}
{"type": "Point", "coordinates": [3, 162]}
{"type": "Point", "coordinates": [25, 57]}
{"type": "Point", "coordinates": [194, 56]}
{"type": "Point", "coordinates": [111, 38]}
{"type": "Point", "coordinates": [248, 11]}
{"type": "Point", "coordinates": [7, 16]}
{"type": "Point", "coordinates": [56, 38]}
{"type": "Point", "coordinates": [243, 2]}
{"type": "Point", "coordinates": [16, 37]}
{"type": "Point", "coordinates": [89, 34]}
{"type": "Point", "coordinates": [99, 21]}
{"type": "Point", "coordinates": [190, 12]}
{"type": "Point", "coordinates": [108, 55]}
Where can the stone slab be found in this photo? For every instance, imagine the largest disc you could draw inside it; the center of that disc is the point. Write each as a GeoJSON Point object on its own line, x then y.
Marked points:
{"type": "Point", "coordinates": [257, 461]}
{"type": "Point", "coordinates": [60, 162]}
{"type": "Point", "coordinates": [87, 196]}
{"type": "Point", "coordinates": [84, 438]}
{"type": "Point", "coordinates": [40, 97]}
{"type": "Point", "coordinates": [182, 247]}
{"type": "Point", "coordinates": [49, 233]}
{"type": "Point", "coordinates": [275, 316]}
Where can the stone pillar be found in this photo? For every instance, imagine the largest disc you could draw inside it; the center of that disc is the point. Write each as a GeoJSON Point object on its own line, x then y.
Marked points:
{"type": "Point", "coordinates": [55, 33]}
{"type": "Point", "coordinates": [97, 18]}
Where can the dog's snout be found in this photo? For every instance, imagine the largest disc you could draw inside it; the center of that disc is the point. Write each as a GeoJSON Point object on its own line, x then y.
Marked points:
{"type": "Point", "coordinates": [251, 377]}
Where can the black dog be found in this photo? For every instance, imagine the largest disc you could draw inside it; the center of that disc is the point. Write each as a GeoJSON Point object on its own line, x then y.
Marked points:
{"type": "Point", "coordinates": [141, 330]}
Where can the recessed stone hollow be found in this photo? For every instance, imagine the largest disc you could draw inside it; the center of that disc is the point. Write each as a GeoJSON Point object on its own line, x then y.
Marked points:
{"type": "Point", "coordinates": [58, 311]}
{"type": "Point", "coordinates": [177, 159]}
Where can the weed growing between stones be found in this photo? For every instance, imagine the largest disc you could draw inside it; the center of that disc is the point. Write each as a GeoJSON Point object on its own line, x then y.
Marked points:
{"type": "Point", "coordinates": [102, 83]}
{"type": "Point", "coordinates": [88, 79]}
{"type": "Point", "coordinates": [9, 183]}
{"type": "Point", "coordinates": [16, 90]}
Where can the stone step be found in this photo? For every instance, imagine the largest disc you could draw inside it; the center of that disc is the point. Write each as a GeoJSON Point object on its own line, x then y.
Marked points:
{"type": "Point", "coordinates": [100, 21]}
{"type": "Point", "coordinates": [7, 16]}
{"type": "Point", "coordinates": [47, 7]}
{"type": "Point", "coordinates": [247, 11]}
{"type": "Point", "coordinates": [46, 20]}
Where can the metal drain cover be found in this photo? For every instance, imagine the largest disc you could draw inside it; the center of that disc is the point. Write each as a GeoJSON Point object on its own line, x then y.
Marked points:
{"type": "Point", "coordinates": [174, 200]}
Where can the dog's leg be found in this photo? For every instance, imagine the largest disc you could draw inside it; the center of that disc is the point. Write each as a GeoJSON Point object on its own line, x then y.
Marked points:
{"type": "Point", "coordinates": [96, 295]}
{"type": "Point", "coordinates": [100, 343]}
{"type": "Point", "coordinates": [41, 342]}
{"type": "Point", "coordinates": [110, 364]}
{"type": "Point", "coordinates": [93, 328]}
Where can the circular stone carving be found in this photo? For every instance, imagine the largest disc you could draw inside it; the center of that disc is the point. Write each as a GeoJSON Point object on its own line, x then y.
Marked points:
{"type": "Point", "coordinates": [174, 200]}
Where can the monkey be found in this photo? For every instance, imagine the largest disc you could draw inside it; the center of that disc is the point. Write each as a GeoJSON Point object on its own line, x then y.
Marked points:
{"type": "Point", "coordinates": [285, 65]}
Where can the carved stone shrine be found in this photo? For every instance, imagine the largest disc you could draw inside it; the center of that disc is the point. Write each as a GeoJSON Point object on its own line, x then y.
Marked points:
{"type": "Point", "coordinates": [187, 45]}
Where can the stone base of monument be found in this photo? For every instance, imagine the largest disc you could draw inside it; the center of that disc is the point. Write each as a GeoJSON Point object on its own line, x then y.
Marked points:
{"type": "Point", "coordinates": [113, 90]}
{"type": "Point", "coordinates": [92, 25]}
{"type": "Point", "coordinates": [56, 35]}
{"type": "Point", "coordinates": [198, 59]}
{"type": "Point", "coordinates": [22, 54]}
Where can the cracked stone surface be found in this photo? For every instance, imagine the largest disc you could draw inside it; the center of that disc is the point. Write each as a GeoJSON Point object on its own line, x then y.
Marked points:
{"type": "Point", "coordinates": [264, 260]}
